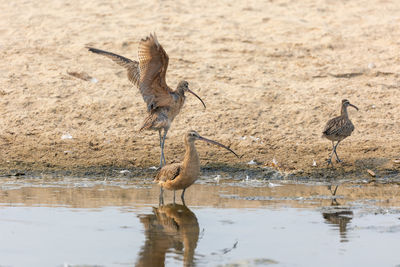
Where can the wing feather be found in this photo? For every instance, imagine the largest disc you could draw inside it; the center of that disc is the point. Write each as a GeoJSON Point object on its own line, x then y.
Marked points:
{"type": "Point", "coordinates": [132, 66]}
{"type": "Point", "coordinates": [153, 65]}
{"type": "Point", "coordinates": [168, 172]}
{"type": "Point", "coordinates": [338, 126]}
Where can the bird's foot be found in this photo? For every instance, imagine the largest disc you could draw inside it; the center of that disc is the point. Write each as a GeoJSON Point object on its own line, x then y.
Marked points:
{"type": "Point", "coordinates": [338, 160]}
{"type": "Point", "coordinates": [329, 161]}
{"type": "Point", "coordinates": [159, 168]}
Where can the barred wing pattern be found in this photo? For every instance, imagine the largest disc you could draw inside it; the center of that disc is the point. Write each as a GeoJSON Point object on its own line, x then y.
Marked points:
{"type": "Point", "coordinates": [153, 64]}
{"type": "Point", "coordinates": [168, 172]}
{"type": "Point", "coordinates": [339, 126]}
{"type": "Point", "coordinates": [132, 66]}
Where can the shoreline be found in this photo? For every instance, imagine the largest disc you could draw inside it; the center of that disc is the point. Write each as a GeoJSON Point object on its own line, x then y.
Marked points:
{"type": "Point", "coordinates": [233, 171]}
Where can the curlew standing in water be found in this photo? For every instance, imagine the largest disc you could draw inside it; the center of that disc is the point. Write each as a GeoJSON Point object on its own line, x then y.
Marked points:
{"type": "Point", "coordinates": [339, 128]}
{"type": "Point", "coordinates": [179, 176]}
{"type": "Point", "coordinates": [148, 74]}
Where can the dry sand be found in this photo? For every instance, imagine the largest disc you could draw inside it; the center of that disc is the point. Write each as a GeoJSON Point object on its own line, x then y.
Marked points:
{"type": "Point", "coordinates": [271, 73]}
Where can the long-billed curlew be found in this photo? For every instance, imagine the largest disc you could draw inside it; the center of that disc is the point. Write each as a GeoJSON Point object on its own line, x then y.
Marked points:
{"type": "Point", "coordinates": [179, 176]}
{"type": "Point", "coordinates": [339, 128]}
{"type": "Point", "coordinates": [148, 74]}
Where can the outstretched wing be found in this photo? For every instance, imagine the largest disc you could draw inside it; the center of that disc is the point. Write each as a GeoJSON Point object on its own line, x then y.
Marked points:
{"type": "Point", "coordinates": [168, 172]}
{"type": "Point", "coordinates": [153, 64]}
{"type": "Point", "coordinates": [132, 66]}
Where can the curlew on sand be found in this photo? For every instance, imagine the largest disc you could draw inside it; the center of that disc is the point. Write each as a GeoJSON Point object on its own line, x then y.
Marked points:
{"type": "Point", "coordinates": [339, 128]}
{"type": "Point", "coordinates": [148, 74]}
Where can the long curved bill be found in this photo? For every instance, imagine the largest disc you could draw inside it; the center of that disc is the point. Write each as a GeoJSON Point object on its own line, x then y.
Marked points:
{"type": "Point", "coordinates": [218, 144]}
{"type": "Point", "coordinates": [353, 106]}
{"type": "Point", "coordinates": [190, 91]}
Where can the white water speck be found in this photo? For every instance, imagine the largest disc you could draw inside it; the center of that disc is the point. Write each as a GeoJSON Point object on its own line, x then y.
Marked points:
{"type": "Point", "coordinates": [247, 177]}
{"type": "Point", "coordinates": [94, 80]}
{"type": "Point", "coordinates": [314, 163]}
{"type": "Point", "coordinates": [124, 171]}
{"type": "Point", "coordinates": [153, 168]}
{"type": "Point", "coordinates": [371, 65]}
{"type": "Point", "coordinates": [217, 178]}
{"type": "Point", "coordinates": [273, 185]}
{"type": "Point", "coordinates": [274, 162]}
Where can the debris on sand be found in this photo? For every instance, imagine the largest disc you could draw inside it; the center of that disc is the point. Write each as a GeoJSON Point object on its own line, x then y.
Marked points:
{"type": "Point", "coordinates": [252, 162]}
{"type": "Point", "coordinates": [66, 136]}
{"type": "Point", "coordinates": [83, 76]}
{"type": "Point", "coordinates": [274, 162]}
{"type": "Point", "coordinates": [371, 172]}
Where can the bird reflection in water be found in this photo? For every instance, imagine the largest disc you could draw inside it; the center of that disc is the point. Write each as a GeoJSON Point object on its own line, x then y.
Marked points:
{"type": "Point", "coordinates": [171, 228]}
{"type": "Point", "coordinates": [338, 215]}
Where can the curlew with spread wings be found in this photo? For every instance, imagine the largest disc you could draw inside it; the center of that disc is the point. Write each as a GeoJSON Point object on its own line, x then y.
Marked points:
{"type": "Point", "coordinates": [148, 75]}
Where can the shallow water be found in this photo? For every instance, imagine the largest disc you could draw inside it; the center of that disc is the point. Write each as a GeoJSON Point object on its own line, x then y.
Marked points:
{"type": "Point", "coordinates": [83, 222]}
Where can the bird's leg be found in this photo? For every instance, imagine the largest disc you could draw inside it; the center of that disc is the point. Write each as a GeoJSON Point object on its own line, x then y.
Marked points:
{"type": "Point", "coordinates": [162, 145]}
{"type": "Point", "coordinates": [174, 196]}
{"type": "Point", "coordinates": [161, 198]}
{"type": "Point", "coordinates": [183, 197]}
{"type": "Point", "coordinates": [334, 149]}
{"type": "Point", "coordinates": [161, 156]}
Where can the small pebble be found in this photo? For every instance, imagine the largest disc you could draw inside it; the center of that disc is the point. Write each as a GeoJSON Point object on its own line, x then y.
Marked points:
{"type": "Point", "coordinates": [252, 162]}
{"type": "Point", "coordinates": [274, 162]}
{"type": "Point", "coordinates": [372, 173]}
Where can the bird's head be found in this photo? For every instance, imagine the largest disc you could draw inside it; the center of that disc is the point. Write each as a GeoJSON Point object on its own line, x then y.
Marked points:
{"type": "Point", "coordinates": [346, 103]}
{"type": "Point", "coordinates": [183, 87]}
{"type": "Point", "coordinates": [192, 136]}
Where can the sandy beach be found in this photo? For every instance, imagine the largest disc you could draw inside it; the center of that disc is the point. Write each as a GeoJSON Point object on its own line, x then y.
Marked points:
{"type": "Point", "coordinates": [270, 72]}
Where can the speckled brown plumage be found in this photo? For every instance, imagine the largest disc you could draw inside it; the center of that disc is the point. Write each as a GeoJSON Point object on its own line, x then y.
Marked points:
{"type": "Point", "coordinates": [179, 176]}
{"type": "Point", "coordinates": [339, 128]}
{"type": "Point", "coordinates": [148, 74]}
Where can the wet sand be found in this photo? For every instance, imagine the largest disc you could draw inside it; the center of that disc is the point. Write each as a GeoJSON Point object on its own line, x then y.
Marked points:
{"type": "Point", "coordinates": [271, 73]}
